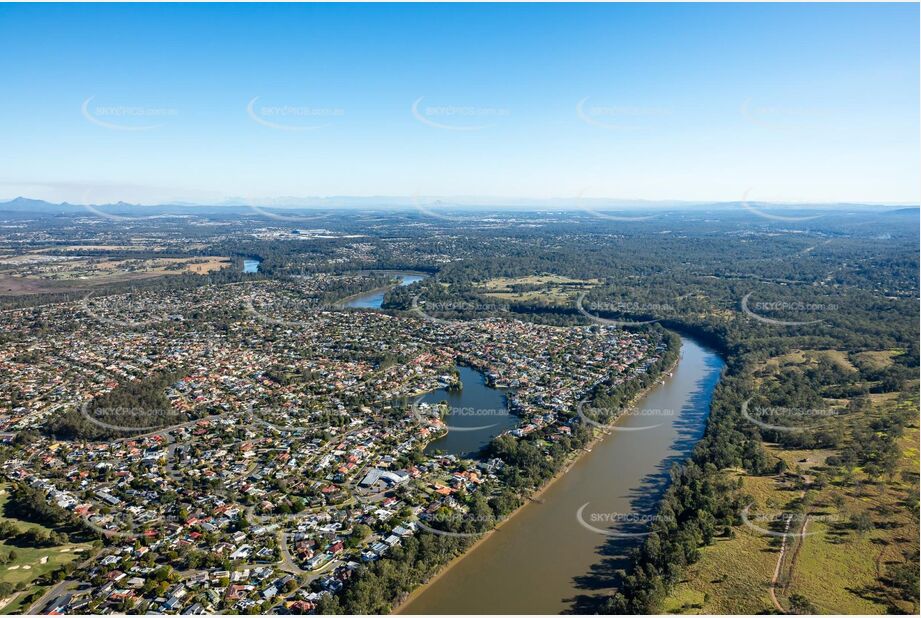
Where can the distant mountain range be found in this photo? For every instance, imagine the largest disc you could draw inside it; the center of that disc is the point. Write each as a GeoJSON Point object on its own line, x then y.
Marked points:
{"type": "Point", "coordinates": [426, 203]}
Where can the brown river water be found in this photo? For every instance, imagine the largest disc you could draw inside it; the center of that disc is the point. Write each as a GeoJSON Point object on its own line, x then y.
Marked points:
{"type": "Point", "coordinates": [558, 553]}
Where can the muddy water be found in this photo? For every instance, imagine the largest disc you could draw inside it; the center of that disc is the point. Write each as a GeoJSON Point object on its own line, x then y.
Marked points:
{"type": "Point", "coordinates": [546, 559]}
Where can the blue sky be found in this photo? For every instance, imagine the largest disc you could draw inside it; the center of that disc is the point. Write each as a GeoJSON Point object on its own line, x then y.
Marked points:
{"type": "Point", "coordinates": [147, 103]}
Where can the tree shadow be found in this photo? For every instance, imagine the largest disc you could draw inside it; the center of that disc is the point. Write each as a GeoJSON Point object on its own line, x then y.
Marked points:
{"type": "Point", "coordinates": [606, 575]}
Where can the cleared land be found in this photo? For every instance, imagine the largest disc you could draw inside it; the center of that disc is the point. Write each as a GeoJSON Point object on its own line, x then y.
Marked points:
{"type": "Point", "coordinates": [38, 274]}
{"type": "Point", "coordinates": [860, 525]}
{"type": "Point", "coordinates": [552, 289]}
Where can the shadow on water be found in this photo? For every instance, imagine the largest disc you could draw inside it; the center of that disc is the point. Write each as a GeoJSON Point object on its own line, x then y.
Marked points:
{"type": "Point", "coordinates": [690, 424]}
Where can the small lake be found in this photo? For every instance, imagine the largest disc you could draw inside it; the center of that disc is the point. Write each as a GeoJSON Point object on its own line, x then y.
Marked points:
{"type": "Point", "coordinates": [375, 298]}
{"type": "Point", "coordinates": [477, 414]}
{"type": "Point", "coordinates": [251, 266]}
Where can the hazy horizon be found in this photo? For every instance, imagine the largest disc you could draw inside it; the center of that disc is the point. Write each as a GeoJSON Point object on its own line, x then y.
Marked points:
{"type": "Point", "coordinates": [465, 202]}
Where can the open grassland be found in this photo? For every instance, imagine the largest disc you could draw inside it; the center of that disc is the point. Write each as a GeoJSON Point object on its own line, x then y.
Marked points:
{"type": "Point", "coordinates": [877, 359]}
{"type": "Point", "coordinates": [31, 274]}
{"type": "Point", "coordinates": [851, 527]}
{"type": "Point", "coordinates": [549, 288]}
{"type": "Point", "coordinates": [810, 358]}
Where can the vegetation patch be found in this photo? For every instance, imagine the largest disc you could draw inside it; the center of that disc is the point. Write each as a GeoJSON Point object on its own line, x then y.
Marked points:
{"type": "Point", "coordinates": [31, 553]}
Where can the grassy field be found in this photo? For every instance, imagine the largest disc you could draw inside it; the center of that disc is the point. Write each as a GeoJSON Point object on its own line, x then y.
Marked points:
{"type": "Point", "coordinates": [31, 563]}
{"type": "Point", "coordinates": [836, 566]}
{"type": "Point", "coordinates": [553, 289]}
{"type": "Point", "coordinates": [877, 359]}
{"type": "Point", "coordinates": [798, 358]}
{"type": "Point", "coordinates": [49, 274]}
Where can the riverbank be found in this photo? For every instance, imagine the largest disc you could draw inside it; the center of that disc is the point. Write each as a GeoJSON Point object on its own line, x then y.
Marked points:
{"type": "Point", "coordinates": [574, 458]}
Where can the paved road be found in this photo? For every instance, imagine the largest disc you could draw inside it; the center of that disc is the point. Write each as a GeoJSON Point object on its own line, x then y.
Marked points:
{"type": "Point", "coordinates": [59, 588]}
{"type": "Point", "coordinates": [287, 561]}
